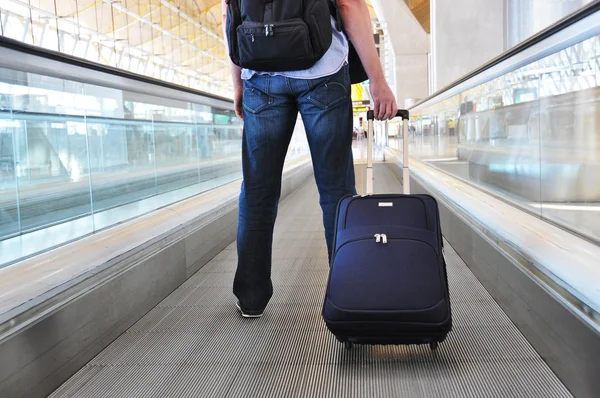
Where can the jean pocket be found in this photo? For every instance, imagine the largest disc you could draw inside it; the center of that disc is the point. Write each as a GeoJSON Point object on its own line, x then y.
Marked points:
{"type": "Point", "coordinates": [255, 100]}
{"type": "Point", "coordinates": [327, 95]}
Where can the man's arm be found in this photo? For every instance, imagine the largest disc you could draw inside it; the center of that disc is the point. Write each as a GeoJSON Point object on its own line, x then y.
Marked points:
{"type": "Point", "coordinates": [236, 71]}
{"type": "Point", "coordinates": [357, 24]}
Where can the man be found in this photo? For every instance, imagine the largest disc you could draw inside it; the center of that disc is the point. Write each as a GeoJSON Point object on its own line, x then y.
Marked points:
{"type": "Point", "coordinates": [269, 104]}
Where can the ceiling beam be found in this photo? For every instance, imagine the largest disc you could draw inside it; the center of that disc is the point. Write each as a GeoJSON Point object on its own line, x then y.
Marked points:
{"type": "Point", "coordinates": [159, 28]}
{"type": "Point", "coordinates": [191, 20]}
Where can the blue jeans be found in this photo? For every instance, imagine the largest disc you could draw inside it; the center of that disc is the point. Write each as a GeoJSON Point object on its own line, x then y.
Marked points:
{"type": "Point", "coordinates": [271, 106]}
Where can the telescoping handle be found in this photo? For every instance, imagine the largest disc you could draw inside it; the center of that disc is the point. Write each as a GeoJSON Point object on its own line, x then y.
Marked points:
{"type": "Point", "coordinates": [403, 113]}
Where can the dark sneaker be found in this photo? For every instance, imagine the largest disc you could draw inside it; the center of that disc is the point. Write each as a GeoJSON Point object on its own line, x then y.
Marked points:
{"type": "Point", "coordinates": [248, 314]}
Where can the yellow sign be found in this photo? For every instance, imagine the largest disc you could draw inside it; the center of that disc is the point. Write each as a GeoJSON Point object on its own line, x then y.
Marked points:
{"type": "Point", "coordinates": [358, 93]}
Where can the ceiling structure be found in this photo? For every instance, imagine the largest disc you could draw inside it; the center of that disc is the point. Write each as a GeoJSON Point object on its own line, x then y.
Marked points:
{"type": "Point", "coordinates": [421, 11]}
{"type": "Point", "coordinates": [180, 41]}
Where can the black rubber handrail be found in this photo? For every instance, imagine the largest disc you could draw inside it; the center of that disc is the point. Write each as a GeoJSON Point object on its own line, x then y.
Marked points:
{"type": "Point", "coordinates": [564, 23]}
{"type": "Point", "coordinates": [16, 45]}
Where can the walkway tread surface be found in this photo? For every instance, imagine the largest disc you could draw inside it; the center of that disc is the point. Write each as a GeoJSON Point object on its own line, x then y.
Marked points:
{"type": "Point", "coordinates": [195, 344]}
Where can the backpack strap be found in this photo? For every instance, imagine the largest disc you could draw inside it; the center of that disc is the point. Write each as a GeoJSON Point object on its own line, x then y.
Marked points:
{"type": "Point", "coordinates": [268, 17]}
{"type": "Point", "coordinates": [357, 70]}
{"type": "Point", "coordinates": [335, 13]}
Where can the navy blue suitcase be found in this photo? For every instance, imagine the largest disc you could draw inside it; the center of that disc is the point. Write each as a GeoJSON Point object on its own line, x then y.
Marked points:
{"type": "Point", "coordinates": [387, 282]}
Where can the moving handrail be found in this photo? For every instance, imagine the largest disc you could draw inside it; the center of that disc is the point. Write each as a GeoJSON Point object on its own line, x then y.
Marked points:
{"type": "Point", "coordinates": [24, 48]}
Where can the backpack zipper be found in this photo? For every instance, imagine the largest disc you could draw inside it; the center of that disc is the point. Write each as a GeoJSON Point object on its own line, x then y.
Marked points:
{"type": "Point", "coordinates": [269, 30]}
{"type": "Point", "coordinates": [259, 29]}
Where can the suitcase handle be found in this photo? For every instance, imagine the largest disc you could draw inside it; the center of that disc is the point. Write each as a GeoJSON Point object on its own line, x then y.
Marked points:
{"type": "Point", "coordinates": [404, 114]}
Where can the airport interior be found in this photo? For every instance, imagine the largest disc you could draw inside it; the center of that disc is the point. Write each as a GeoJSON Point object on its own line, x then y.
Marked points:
{"type": "Point", "coordinates": [123, 110]}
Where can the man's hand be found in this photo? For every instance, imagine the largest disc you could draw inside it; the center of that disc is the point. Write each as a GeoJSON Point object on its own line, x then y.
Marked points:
{"type": "Point", "coordinates": [384, 101]}
{"type": "Point", "coordinates": [355, 16]}
{"type": "Point", "coordinates": [238, 97]}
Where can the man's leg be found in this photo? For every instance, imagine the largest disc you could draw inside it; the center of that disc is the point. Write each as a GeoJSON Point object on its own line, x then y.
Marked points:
{"type": "Point", "coordinates": [270, 115]}
{"type": "Point", "coordinates": [326, 109]}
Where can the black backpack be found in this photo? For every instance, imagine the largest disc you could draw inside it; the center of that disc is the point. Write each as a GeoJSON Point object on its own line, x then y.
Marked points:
{"type": "Point", "coordinates": [283, 35]}
{"type": "Point", "coordinates": [278, 35]}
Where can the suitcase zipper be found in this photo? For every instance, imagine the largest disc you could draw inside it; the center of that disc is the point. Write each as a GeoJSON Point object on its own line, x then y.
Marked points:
{"type": "Point", "coordinates": [381, 238]}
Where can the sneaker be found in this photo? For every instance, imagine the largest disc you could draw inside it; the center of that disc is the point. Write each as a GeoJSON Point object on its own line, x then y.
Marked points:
{"type": "Point", "coordinates": [248, 314]}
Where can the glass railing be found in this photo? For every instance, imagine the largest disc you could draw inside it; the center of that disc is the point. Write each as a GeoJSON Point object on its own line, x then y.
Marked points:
{"type": "Point", "coordinates": [530, 137]}
{"type": "Point", "coordinates": [76, 158]}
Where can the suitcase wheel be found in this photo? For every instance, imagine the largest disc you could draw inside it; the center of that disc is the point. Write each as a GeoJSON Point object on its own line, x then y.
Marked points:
{"type": "Point", "coordinates": [433, 345]}
{"type": "Point", "coordinates": [348, 345]}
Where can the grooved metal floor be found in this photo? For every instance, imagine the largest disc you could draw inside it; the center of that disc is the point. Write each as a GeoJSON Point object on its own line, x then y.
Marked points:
{"type": "Point", "coordinates": [194, 344]}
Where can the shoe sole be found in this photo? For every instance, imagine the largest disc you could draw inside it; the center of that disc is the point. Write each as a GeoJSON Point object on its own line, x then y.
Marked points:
{"type": "Point", "coordinates": [244, 314]}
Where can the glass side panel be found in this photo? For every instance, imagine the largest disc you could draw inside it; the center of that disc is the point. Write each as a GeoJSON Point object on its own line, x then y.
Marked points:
{"type": "Point", "coordinates": [77, 158]}
{"type": "Point", "coordinates": [9, 192]}
{"type": "Point", "coordinates": [530, 137]}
